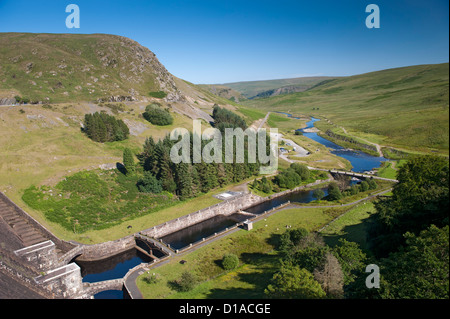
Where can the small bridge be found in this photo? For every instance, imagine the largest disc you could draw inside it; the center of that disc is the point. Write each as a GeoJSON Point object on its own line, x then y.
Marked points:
{"type": "Point", "coordinates": [353, 174]}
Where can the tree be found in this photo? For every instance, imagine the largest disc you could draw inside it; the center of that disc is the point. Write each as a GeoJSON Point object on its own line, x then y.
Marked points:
{"type": "Point", "coordinates": [330, 276]}
{"type": "Point", "coordinates": [149, 184]}
{"type": "Point", "coordinates": [101, 127]}
{"type": "Point", "coordinates": [318, 194]}
{"type": "Point", "coordinates": [292, 282]}
{"type": "Point", "coordinates": [420, 270]}
{"type": "Point", "coordinates": [290, 239]}
{"type": "Point", "coordinates": [157, 116]}
{"type": "Point", "coordinates": [186, 282]}
{"type": "Point", "coordinates": [334, 193]}
{"type": "Point", "coordinates": [301, 170]}
{"type": "Point", "coordinates": [230, 261]}
{"type": "Point", "coordinates": [420, 199]}
{"type": "Point", "coordinates": [364, 186]}
{"type": "Point", "coordinates": [351, 258]}
{"type": "Point", "coordinates": [128, 161]}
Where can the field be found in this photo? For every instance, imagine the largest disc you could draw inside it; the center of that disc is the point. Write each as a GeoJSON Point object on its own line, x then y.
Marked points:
{"type": "Point", "coordinates": [258, 259]}
{"type": "Point", "coordinates": [406, 108]}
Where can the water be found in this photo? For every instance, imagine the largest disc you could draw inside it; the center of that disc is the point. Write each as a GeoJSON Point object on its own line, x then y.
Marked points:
{"type": "Point", "coordinates": [294, 197]}
{"type": "Point", "coordinates": [110, 294]}
{"type": "Point", "coordinates": [360, 161]}
{"type": "Point", "coordinates": [111, 268]}
{"type": "Point", "coordinates": [194, 233]}
{"type": "Point", "coordinates": [206, 228]}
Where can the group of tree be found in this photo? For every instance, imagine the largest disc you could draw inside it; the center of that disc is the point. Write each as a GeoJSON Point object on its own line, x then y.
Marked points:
{"type": "Point", "coordinates": [187, 179]}
{"type": "Point", "coordinates": [410, 232]}
{"type": "Point", "coordinates": [290, 178]}
{"type": "Point", "coordinates": [310, 269]}
{"type": "Point", "coordinates": [101, 127]}
{"type": "Point", "coordinates": [160, 173]}
{"type": "Point", "coordinates": [224, 118]}
{"type": "Point", "coordinates": [408, 239]}
{"type": "Point", "coordinates": [156, 115]}
{"type": "Point", "coordinates": [335, 192]}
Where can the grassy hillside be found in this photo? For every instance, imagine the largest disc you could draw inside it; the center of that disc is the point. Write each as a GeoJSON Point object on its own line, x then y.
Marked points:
{"type": "Point", "coordinates": [61, 68]}
{"type": "Point", "coordinates": [223, 91]}
{"type": "Point", "coordinates": [251, 89]}
{"type": "Point", "coordinates": [405, 108]}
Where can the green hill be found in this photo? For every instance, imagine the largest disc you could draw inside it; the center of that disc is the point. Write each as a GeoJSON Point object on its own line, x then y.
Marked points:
{"type": "Point", "coordinates": [252, 89]}
{"type": "Point", "coordinates": [406, 108]}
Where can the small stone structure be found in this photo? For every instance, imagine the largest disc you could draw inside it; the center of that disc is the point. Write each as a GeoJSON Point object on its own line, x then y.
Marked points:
{"type": "Point", "coordinates": [42, 256]}
{"type": "Point", "coordinates": [63, 282]}
{"type": "Point", "coordinates": [248, 225]}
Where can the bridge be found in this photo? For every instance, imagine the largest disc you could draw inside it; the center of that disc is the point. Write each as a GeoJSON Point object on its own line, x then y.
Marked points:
{"type": "Point", "coordinates": [353, 174]}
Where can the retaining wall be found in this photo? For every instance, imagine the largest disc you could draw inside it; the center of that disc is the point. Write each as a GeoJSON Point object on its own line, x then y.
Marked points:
{"type": "Point", "coordinates": [227, 207]}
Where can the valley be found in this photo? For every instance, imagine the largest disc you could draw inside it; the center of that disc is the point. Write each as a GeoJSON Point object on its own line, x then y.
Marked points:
{"type": "Point", "coordinates": [383, 125]}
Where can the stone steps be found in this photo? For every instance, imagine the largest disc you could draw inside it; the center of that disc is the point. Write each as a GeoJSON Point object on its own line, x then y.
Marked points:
{"type": "Point", "coordinates": [19, 225]}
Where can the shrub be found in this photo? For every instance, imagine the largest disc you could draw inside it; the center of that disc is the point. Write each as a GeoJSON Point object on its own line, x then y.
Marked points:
{"type": "Point", "coordinates": [157, 116]}
{"type": "Point", "coordinates": [158, 94]}
{"type": "Point", "coordinates": [187, 282]}
{"type": "Point", "coordinates": [318, 194]}
{"type": "Point", "coordinates": [149, 184]}
{"type": "Point", "coordinates": [230, 262]}
{"type": "Point", "coordinates": [152, 279]}
{"type": "Point", "coordinates": [334, 193]}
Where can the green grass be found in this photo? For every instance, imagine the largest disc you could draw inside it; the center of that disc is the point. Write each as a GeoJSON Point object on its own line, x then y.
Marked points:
{"type": "Point", "coordinates": [94, 200]}
{"type": "Point", "coordinates": [252, 88]}
{"type": "Point", "coordinates": [255, 249]}
{"type": "Point", "coordinates": [251, 115]}
{"type": "Point", "coordinates": [402, 108]}
{"type": "Point", "coordinates": [387, 171]}
{"type": "Point", "coordinates": [87, 67]}
{"type": "Point", "coordinates": [352, 226]}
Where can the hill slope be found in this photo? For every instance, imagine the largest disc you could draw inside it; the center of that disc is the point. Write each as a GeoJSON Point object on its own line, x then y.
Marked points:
{"type": "Point", "coordinates": [60, 68]}
{"type": "Point", "coordinates": [403, 107]}
{"type": "Point", "coordinates": [252, 89]}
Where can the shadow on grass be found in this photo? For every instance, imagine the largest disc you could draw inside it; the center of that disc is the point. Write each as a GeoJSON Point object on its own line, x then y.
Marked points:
{"type": "Point", "coordinates": [263, 268]}
{"type": "Point", "coordinates": [357, 233]}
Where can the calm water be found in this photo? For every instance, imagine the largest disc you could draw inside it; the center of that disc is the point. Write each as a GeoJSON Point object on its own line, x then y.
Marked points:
{"type": "Point", "coordinates": [206, 228]}
{"type": "Point", "coordinates": [360, 161]}
{"type": "Point", "coordinates": [194, 233]}
{"type": "Point", "coordinates": [111, 268]}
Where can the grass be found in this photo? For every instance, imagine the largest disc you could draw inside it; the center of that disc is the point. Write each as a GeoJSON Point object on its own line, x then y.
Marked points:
{"type": "Point", "coordinates": [95, 200]}
{"type": "Point", "coordinates": [402, 108]}
{"type": "Point", "coordinates": [41, 146]}
{"type": "Point", "coordinates": [352, 226]}
{"type": "Point", "coordinates": [73, 67]}
{"type": "Point", "coordinates": [255, 250]}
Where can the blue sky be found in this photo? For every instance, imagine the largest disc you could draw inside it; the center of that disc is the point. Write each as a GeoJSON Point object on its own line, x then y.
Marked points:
{"type": "Point", "coordinates": [226, 41]}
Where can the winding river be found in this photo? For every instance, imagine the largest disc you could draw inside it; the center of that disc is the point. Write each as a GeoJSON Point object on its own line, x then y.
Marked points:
{"type": "Point", "coordinates": [360, 161]}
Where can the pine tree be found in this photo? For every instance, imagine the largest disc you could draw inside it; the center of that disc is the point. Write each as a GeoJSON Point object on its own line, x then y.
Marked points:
{"type": "Point", "coordinates": [128, 161]}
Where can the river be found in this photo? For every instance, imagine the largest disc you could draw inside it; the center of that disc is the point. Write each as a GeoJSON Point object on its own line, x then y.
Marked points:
{"type": "Point", "coordinates": [360, 161]}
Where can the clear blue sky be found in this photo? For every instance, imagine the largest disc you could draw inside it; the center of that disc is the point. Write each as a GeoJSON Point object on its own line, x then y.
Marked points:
{"type": "Point", "coordinates": [226, 41]}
